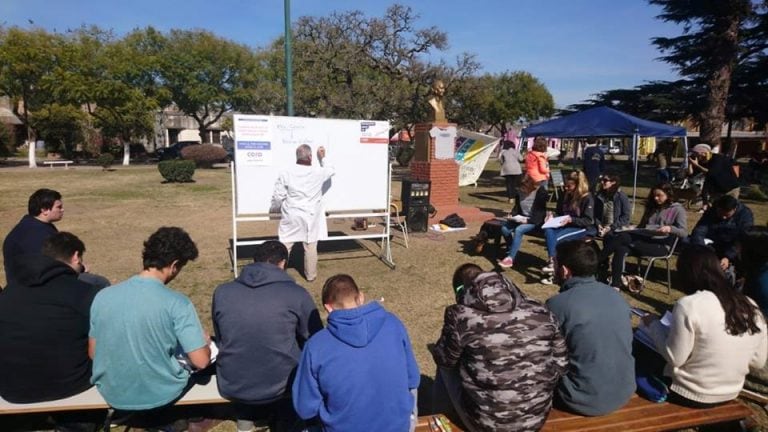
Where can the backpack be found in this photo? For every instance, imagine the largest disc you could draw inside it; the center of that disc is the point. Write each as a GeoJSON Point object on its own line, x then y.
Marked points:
{"type": "Point", "coordinates": [454, 221]}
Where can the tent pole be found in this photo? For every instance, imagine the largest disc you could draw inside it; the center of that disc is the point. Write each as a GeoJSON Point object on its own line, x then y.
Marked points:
{"type": "Point", "coordinates": [635, 143]}
{"type": "Point", "coordinates": [685, 155]}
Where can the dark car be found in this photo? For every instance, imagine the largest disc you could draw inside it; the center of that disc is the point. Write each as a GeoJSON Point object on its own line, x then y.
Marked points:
{"type": "Point", "coordinates": [174, 151]}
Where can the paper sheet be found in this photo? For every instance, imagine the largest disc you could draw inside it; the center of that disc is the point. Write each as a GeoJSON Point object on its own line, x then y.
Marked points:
{"type": "Point", "coordinates": [555, 222]}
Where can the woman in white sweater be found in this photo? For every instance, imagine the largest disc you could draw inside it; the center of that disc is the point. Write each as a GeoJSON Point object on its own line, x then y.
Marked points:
{"type": "Point", "coordinates": [717, 334]}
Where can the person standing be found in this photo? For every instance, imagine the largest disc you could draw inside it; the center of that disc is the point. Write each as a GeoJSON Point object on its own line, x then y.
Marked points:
{"type": "Point", "coordinates": [358, 374]}
{"type": "Point", "coordinates": [593, 162]}
{"type": "Point", "coordinates": [510, 159]}
{"type": "Point", "coordinates": [44, 208]}
{"type": "Point", "coordinates": [595, 321]}
{"type": "Point", "coordinates": [537, 162]}
{"type": "Point", "coordinates": [262, 320]}
{"type": "Point", "coordinates": [298, 194]}
{"type": "Point", "coordinates": [138, 326]}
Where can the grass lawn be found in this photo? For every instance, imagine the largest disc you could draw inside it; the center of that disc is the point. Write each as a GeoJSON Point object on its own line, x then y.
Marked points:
{"type": "Point", "coordinates": [113, 212]}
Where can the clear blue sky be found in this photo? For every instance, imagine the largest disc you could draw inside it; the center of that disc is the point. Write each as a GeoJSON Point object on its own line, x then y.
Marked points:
{"type": "Point", "coordinates": [575, 47]}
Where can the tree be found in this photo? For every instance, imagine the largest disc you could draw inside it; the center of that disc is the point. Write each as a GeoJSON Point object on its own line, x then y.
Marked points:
{"type": "Point", "coordinates": [207, 76]}
{"type": "Point", "coordinates": [495, 101]}
{"type": "Point", "coordinates": [114, 80]}
{"type": "Point", "coordinates": [352, 66]}
{"type": "Point", "coordinates": [27, 59]}
{"type": "Point", "coordinates": [61, 126]}
{"type": "Point", "coordinates": [717, 36]}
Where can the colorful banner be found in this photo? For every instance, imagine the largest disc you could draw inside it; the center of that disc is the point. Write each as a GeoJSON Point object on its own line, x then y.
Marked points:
{"type": "Point", "coordinates": [472, 153]}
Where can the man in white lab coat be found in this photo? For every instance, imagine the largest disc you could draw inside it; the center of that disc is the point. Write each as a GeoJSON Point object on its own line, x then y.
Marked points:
{"type": "Point", "coordinates": [299, 195]}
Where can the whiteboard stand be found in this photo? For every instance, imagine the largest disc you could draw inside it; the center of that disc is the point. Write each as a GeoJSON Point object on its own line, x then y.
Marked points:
{"type": "Point", "coordinates": [383, 236]}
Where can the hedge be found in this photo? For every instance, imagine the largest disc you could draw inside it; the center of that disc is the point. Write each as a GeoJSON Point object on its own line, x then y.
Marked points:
{"type": "Point", "coordinates": [204, 155]}
{"type": "Point", "coordinates": [105, 160]}
{"type": "Point", "coordinates": [177, 171]}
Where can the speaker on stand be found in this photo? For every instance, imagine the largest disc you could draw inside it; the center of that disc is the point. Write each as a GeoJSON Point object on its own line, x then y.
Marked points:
{"type": "Point", "coordinates": [415, 198]}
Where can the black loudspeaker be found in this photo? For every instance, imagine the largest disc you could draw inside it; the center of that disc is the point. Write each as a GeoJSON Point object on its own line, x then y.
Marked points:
{"type": "Point", "coordinates": [415, 198]}
{"type": "Point", "coordinates": [417, 218]}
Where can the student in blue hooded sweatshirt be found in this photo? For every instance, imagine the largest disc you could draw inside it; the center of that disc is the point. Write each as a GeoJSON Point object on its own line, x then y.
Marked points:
{"type": "Point", "coordinates": [360, 372]}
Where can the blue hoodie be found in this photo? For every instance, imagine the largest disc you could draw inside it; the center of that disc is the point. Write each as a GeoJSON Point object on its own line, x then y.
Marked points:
{"type": "Point", "coordinates": [357, 374]}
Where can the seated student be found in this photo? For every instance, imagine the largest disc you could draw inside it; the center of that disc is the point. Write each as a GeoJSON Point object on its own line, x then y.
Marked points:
{"type": "Point", "coordinates": [717, 334]}
{"type": "Point", "coordinates": [612, 209]}
{"type": "Point", "coordinates": [577, 205]}
{"type": "Point", "coordinates": [499, 356]}
{"type": "Point", "coordinates": [722, 224]}
{"type": "Point", "coordinates": [595, 321]}
{"type": "Point", "coordinates": [531, 203]}
{"type": "Point", "coordinates": [44, 315]}
{"type": "Point", "coordinates": [262, 320]}
{"type": "Point", "coordinates": [138, 325]}
{"type": "Point", "coordinates": [359, 373]}
{"type": "Point", "coordinates": [753, 266]}
{"type": "Point", "coordinates": [662, 220]}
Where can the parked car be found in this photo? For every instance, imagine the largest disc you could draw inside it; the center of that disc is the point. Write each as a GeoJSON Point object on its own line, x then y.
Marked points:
{"type": "Point", "coordinates": [174, 151]}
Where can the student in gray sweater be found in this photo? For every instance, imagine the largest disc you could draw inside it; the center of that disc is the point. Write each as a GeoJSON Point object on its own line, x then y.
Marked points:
{"type": "Point", "coordinates": [663, 221]}
{"type": "Point", "coordinates": [595, 321]}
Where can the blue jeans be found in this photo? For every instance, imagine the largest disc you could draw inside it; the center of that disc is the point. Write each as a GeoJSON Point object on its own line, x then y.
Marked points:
{"type": "Point", "coordinates": [556, 235]}
{"type": "Point", "coordinates": [516, 232]}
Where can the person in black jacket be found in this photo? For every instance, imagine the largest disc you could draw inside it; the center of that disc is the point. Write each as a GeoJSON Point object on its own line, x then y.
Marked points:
{"type": "Point", "coordinates": [594, 162]}
{"type": "Point", "coordinates": [576, 205]}
{"type": "Point", "coordinates": [44, 208]}
{"type": "Point", "coordinates": [612, 210]}
{"type": "Point", "coordinates": [720, 178]}
{"type": "Point", "coordinates": [44, 321]}
{"type": "Point", "coordinates": [528, 214]}
{"type": "Point", "coordinates": [262, 320]}
{"type": "Point", "coordinates": [722, 224]}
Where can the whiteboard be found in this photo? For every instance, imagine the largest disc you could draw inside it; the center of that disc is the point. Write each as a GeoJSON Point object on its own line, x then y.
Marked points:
{"type": "Point", "coordinates": [357, 149]}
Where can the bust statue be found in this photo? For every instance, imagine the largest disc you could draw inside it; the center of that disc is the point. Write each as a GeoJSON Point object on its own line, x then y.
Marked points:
{"type": "Point", "coordinates": [436, 101]}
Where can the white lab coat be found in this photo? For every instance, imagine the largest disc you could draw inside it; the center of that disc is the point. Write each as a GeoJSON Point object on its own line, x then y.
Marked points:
{"type": "Point", "coordinates": [299, 195]}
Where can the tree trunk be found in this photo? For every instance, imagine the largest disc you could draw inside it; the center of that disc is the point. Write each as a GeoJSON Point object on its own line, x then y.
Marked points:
{"type": "Point", "coordinates": [126, 153]}
{"type": "Point", "coordinates": [31, 144]}
{"type": "Point", "coordinates": [719, 83]}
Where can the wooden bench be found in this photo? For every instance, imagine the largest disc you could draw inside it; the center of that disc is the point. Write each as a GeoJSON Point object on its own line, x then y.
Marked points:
{"type": "Point", "coordinates": [52, 163]}
{"type": "Point", "coordinates": [642, 415]}
{"type": "Point", "coordinates": [426, 424]}
{"type": "Point", "coordinates": [90, 399]}
{"type": "Point", "coordinates": [638, 415]}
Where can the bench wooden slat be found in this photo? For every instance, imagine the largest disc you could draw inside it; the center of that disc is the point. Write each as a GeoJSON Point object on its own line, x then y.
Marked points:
{"type": "Point", "coordinates": [90, 399]}
{"type": "Point", "coordinates": [642, 415]}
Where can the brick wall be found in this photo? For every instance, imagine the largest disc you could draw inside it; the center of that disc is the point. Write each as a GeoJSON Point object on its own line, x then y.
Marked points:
{"type": "Point", "coordinates": [444, 174]}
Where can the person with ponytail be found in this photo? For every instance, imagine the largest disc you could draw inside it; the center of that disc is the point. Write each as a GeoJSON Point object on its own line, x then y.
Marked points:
{"type": "Point", "coordinates": [716, 335]}
{"type": "Point", "coordinates": [577, 204]}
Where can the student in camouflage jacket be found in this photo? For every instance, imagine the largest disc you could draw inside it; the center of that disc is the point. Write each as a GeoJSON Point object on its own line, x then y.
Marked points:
{"type": "Point", "coordinates": [509, 354]}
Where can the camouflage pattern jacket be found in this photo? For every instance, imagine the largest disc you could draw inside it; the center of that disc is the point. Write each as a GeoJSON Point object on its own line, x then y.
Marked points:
{"type": "Point", "coordinates": [509, 352]}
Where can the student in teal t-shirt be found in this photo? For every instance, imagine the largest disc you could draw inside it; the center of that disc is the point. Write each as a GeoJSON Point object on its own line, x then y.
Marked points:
{"type": "Point", "coordinates": [137, 325]}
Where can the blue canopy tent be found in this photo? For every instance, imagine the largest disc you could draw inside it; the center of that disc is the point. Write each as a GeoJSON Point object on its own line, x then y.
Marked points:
{"type": "Point", "coordinates": [606, 122]}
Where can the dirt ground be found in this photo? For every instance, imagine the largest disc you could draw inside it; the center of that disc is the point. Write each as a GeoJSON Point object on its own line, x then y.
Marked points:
{"type": "Point", "coordinates": [113, 212]}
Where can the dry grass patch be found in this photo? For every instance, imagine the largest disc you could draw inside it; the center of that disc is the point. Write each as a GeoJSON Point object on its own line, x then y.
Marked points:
{"type": "Point", "coordinates": [114, 212]}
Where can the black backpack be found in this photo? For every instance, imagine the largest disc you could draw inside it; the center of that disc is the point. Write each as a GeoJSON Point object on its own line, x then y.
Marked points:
{"type": "Point", "coordinates": [454, 221]}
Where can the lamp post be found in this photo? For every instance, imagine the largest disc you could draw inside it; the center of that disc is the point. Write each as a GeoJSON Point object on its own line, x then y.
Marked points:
{"type": "Point", "coordinates": [288, 61]}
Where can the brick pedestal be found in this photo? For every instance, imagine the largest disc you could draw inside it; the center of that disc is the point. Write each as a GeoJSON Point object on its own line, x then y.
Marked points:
{"type": "Point", "coordinates": [443, 174]}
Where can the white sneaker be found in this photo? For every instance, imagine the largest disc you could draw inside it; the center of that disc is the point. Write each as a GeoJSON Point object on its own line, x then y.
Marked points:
{"type": "Point", "coordinates": [547, 280]}
{"type": "Point", "coordinates": [549, 268]}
